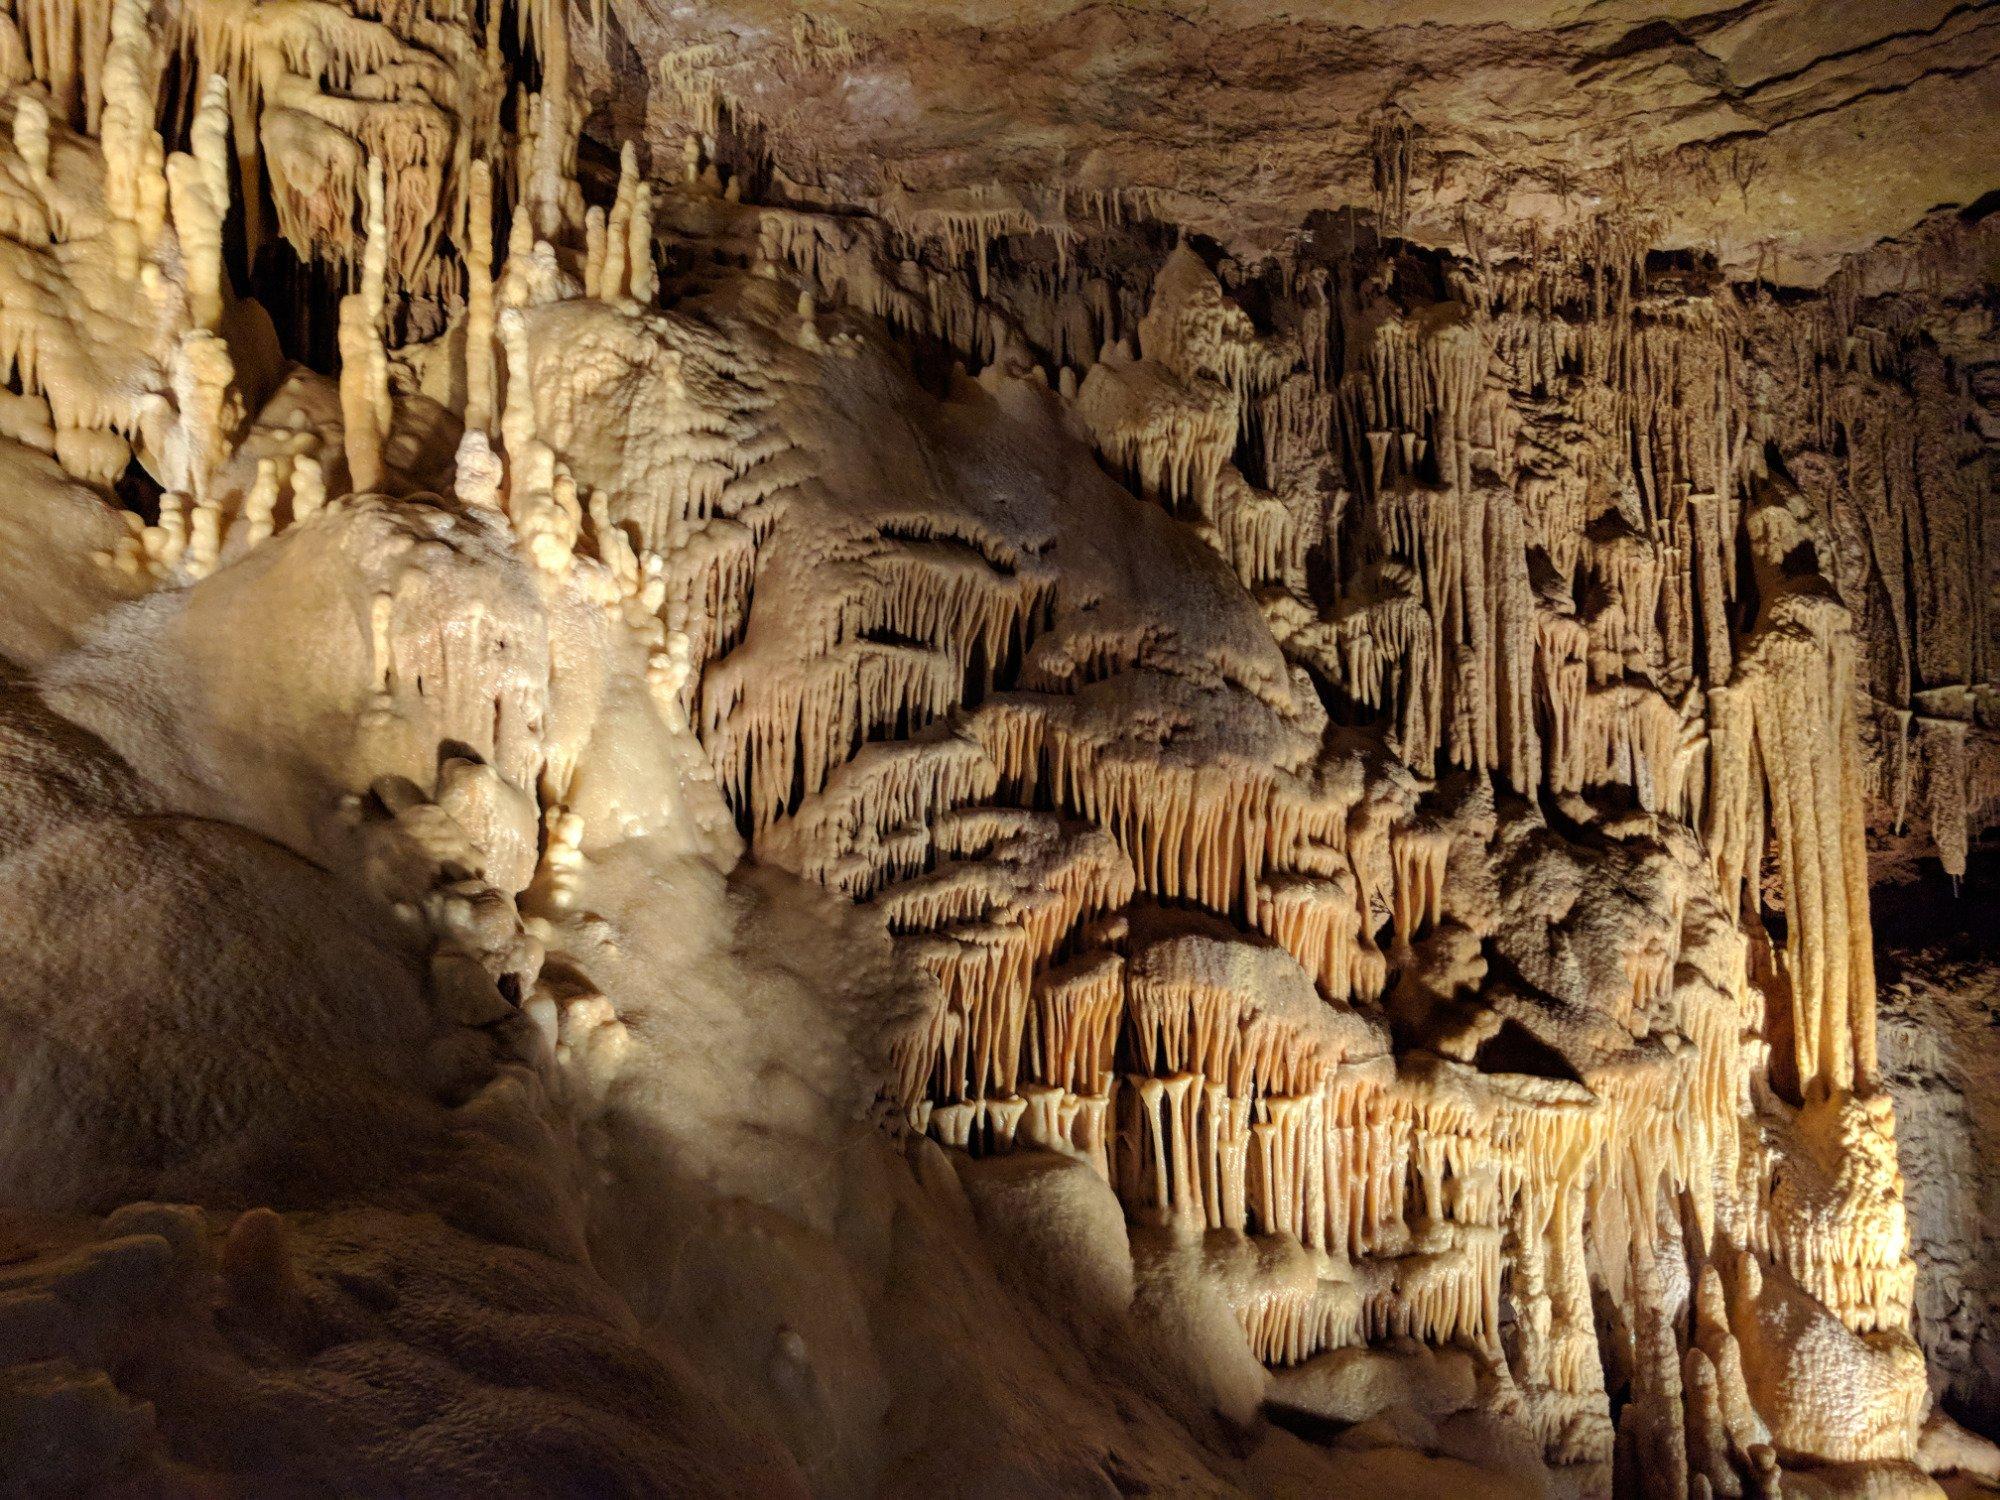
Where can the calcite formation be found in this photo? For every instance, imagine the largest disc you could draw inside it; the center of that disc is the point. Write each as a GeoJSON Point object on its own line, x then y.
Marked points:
{"type": "Point", "coordinates": [981, 840]}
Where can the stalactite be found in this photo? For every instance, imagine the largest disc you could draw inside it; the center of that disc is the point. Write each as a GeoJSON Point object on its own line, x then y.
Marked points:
{"type": "Point", "coordinates": [479, 314]}
{"type": "Point", "coordinates": [198, 186]}
{"type": "Point", "coordinates": [134, 190]}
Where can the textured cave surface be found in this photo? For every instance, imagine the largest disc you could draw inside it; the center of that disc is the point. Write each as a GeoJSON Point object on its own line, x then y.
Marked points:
{"type": "Point", "coordinates": [1780, 136]}
{"type": "Point", "coordinates": [999, 748]}
{"type": "Point", "coordinates": [1940, 1009]}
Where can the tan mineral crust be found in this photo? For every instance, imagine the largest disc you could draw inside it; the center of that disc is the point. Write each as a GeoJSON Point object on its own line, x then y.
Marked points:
{"type": "Point", "coordinates": [998, 749]}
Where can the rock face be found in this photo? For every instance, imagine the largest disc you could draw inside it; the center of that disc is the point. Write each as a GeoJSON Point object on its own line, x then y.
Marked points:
{"type": "Point", "coordinates": [1780, 136]}
{"type": "Point", "coordinates": [829, 817]}
{"type": "Point", "coordinates": [1940, 1012]}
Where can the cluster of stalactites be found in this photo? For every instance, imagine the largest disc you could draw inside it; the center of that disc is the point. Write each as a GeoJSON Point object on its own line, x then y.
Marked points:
{"type": "Point", "coordinates": [1405, 1187]}
{"type": "Point", "coordinates": [1466, 549]}
{"type": "Point", "coordinates": [1480, 431]}
{"type": "Point", "coordinates": [146, 372]}
{"type": "Point", "coordinates": [870, 825]}
{"type": "Point", "coordinates": [924, 624]}
{"type": "Point", "coordinates": [1942, 766]}
{"type": "Point", "coordinates": [1785, 765]}
{"type": "Point", "coordinates": [1170, 440]}
{"type": "Point", "coordinates": [1234, 1115]}
{"type": "Point", "coordinates": [1003, 892]}
{"type": "Point", "coordinates": [1266, 538]}
{"type": "Point", "coordinates": [1910, 472]}
{"type": "Point", "coordinates": [962, 224]}
{"type": "Point", "coordinates": [1480, 662]}
{"type": "Point", "coordinates": [1517, 603]}
{"type": "Point", "coordinates": [1197, 833]}
{"type": "Point", "coordinates": [1617, 416]}
{"type": "Point", "coordinates": [1192, 328]}
{"type": "Point", "coordinates": [1215, 1093]}
{"type": "Point", "coordinates": [317, 91]}
{"type": "Point", "coordinates": [1202, 382]}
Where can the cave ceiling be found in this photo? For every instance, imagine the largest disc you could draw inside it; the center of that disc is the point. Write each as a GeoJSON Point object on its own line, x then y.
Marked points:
{"type": "Point", "coordinates": [1779, 135]}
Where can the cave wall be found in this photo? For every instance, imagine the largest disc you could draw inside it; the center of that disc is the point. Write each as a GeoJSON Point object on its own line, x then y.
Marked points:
{"type": "Point", "coordinates": [1938, 1021]}
{"type": "Point", "coordinates": [875, 754]}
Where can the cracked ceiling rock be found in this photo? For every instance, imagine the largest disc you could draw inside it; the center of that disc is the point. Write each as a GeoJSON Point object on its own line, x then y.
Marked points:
{"type": "Point", "coordinates": [1781, 135]}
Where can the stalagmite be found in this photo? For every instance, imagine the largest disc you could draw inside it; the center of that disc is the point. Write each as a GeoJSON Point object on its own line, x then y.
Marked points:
{"type": "Point", "coordinates": [364, 391]}
{"type": "Point", "coordinates": [361, 435]}
{"type": "Point", "coordinates": [517, 419]}
{"type": "Point", "coordinates": [618, 231]}
{"type": "Point", "coordinates": [479, 475]}
{"type": "Point", "coordinates": [645, 285]}
{"type": "Point", "coordinates": [260, 504]}
{"type": "Point", "coordinates": [204, 376]}
{"type": "Point", "coordinates": [308, 487]}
